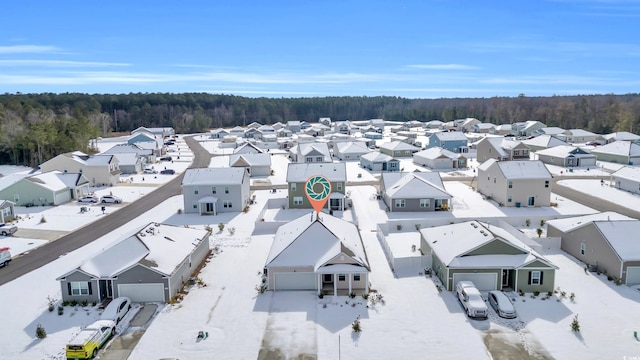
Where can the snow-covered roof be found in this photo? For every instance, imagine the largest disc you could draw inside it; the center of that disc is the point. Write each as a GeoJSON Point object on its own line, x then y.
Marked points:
{"type": "Point", "coordinates": [519, 169]}
{"type": "Point", "coordinates": [116, 258]}
{"type": "Point", "coordinates": [553, 130]}
{"type": "Point", "coordinates": [544, 141]}
{"type": "Point", "coordinates": [311, 241]}
{"type": "Point", "coordinates": [562, 151]}
{"type": "Point", "coordinates": [127, 158]}
{"type": "Point", "coordinates": [351, 147]}
{"type": "Point", "coordinates": [214, 176]}
{"type": "Point", "coordinates": [50, 180]}
{"type": "Point", "coordinates": [127, 148]}
{"type": "Point", "coordinates": [617, 233]}
{"type": "Point", "coordinates": [261, 159]}
{"type": "Point", "coordinates": [437, 152]}
{"type": "Point", "coordinates": [247, 148]}
{"type": "Point", "coordinates": [414, 185]}
{"type": "Point", "coordinates": [572, 223]}
{"type": "Point", "coordinates": [624, 148]}
{"type": "Point", "coordinates": [376, 156]}
{"type": "Point", "coordinates": [6, 181]}
{"type": "Point", "coordinates": [314, 148]}
{"type": "Point", "coordinates": [99, 160]}
{"type": "Point", "coordinates": [71, 180]}
{"type": "Point", "coordinates": [628, 172]}
{"type": "Point", "coordinates": [450, 136]}
{"type": "Point", "coordinates": [579, 132]}
{"type": "Point", "coordinates": [398, 145]}
{"type": "Point", "coordinates": [622, 136]}
{"type": "Point", "coordinates": [496, 261]}
{"type": "Point", "coordinates": [301, 172]}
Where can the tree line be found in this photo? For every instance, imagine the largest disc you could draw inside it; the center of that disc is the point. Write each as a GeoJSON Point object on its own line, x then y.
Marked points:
{"type": "Point", "coordinates": [37, 127]}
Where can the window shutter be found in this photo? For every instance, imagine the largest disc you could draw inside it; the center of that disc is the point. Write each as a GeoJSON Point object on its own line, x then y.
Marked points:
{"type": "Point", "coordinates": [90, 292]}
{"type": "Point", "coordinates": [529, 282]}
{"type": "Point", "coordinates": [69, 287]}
{"type": "Point", "coordinates": [541, 273]}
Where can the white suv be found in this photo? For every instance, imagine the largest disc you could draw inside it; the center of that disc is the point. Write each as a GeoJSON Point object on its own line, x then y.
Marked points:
{"type": "Point", "coordinates": [471, 300]}
{"type": "Point", "coordinates": [110, 199]}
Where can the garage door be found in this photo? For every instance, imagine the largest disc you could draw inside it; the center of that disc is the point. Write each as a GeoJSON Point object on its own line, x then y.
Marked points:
{"type": "Point", "coordinates": [633, 275]}
{"type": "Point", "coordinates": [295, 281]}
{"type": "Point", "coordinates": [142, 292]}
{"type": "Point", "coordinates": [483, 282]}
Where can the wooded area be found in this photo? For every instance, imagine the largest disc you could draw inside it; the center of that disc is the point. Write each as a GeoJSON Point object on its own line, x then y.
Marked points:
{"type": "Point", "coordinates": [36, 127]}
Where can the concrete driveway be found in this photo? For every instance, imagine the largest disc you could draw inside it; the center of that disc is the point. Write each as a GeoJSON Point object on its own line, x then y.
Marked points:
{"type": "Point", "coordinates": [122, 346]}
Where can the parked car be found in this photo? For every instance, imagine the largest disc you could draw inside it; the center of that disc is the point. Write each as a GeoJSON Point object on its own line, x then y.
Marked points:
{"type": "Point", "coordinates": [167, 172]}
{"type": "Point", "coordinates": [88, 341]}
{"type": "Point", "coordinates": [5, 256]}
{"type": "Point", "coordinates": [117, 309]}
{"type": "Point", "coordinates": [112, 199]}
{"type": "Point", "coordinates": [502, 305]}
{"type": "Point", "coordinates": [166, 158]}
{"type": "Point", "coordinates": [88, 199]}
{"type": "Point", "coordinates": [471, 300]}
{"type": "Point", "coordinates": [150, 171]}
{"type": "Point", "coordinates": [8, 229]}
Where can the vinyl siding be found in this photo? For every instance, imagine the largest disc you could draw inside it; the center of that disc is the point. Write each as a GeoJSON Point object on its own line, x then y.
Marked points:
{"type": "Point", "coordinates": [548, 281]}
{"type": "Point", "coordinates": [496, 247]}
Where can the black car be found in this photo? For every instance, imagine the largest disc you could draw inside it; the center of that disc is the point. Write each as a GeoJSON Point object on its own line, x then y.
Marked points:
{"type": "Point", "coordinates": [166, 158]}
{"type": "Point", "coordinates": [167, 172]}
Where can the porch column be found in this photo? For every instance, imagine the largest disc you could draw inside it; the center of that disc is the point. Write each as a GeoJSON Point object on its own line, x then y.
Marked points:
{"type": "Point", "coordinates": [319, 284]}
{"type": "Point", "coordinates": [335, 284]}
{"type": "Point", "coordinates": [350, 276]}
{"type": "Point", "coordinates": [516, 283]}
{"type": "Point", "coordinates": [366, 283]}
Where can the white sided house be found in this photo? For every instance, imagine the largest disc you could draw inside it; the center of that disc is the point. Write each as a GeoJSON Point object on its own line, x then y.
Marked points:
{"type": "Point", "coordinates": [318, 252]}
{"type": "Point", "coordinates": [627, 179]}
{"type": "Point", "coordinates": [209, 191]}
{"type": "Point", "coordinates": [515, 183]}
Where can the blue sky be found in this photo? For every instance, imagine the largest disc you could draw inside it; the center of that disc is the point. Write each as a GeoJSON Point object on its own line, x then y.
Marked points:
{"type": "Point", "coordinates": [304, 48]}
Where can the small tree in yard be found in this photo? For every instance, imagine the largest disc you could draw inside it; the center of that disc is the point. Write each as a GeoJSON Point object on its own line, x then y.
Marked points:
{"type": "Point", "coordinates": [539, 232]}
{"type": "Point", "coordinates": [221, 226]}
{"type": "Point", "coordinates": [356, 327]}
{"type": "Point", "coordinates": [40, 332]}
{"type": "Point", "coordinates": [575, 324]}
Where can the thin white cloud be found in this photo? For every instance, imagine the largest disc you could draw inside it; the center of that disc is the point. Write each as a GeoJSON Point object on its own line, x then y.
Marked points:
{"type": "Point", "coordinates": [28, 49]}
{"type": "Point", "coordinates": [58, 63]}
{"type": "Point", "coordinates": [443, 67]}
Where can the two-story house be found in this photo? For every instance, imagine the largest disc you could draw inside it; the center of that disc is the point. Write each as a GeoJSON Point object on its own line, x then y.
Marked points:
{"type": "Point", "coordinates": [299, 173]}
{"type": "Point", "coordinates": [454, 141]}
{"type": "Point", "coordinates": [209, 191]}
{"type": "Point", "coordinates": [501, 149]}
{"type": "Point", "coordinates": [310, 153]}
{"type": "Point", "coordinates": [515, 183]}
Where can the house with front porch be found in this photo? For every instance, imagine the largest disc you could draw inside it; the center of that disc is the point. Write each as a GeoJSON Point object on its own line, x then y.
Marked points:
{"type": "Point", "coordinates": [377, 161]}
{"type": "Point", "coordinates": [438, 158]}
{"type": "Point", "coordinates": [566, 156]}
{"type": "Point", "coordinates": [209, 191]}
{"type": "Point", "coordinates": [298, 174]}
{"type": "Point", "coordinates": [487, 254]}
{"type": "Point", "coordinates": [414, 191]}
{"type": "Point", "coordinates": [398, 149]}
{"type": "Point", "coordinates": [7, 211]}
{"type": "Point", "coordinates": [621, 152]}
{"type": "Point", "coordinates": [320, 253]}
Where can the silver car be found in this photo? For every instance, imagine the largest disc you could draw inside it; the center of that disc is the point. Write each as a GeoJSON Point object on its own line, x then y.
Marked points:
{"type": "Point", "coordinates": [117, 309]}
{"type": "Point", "coordinates": [502, 305]}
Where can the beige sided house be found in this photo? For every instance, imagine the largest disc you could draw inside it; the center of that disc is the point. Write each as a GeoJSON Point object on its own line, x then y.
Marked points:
{"type": "Point", "coordinates": [100, 170]}
{"type": "Point", "coordinates": [515, 183]}
{"type": "Point", "coordinates": [501, 149]}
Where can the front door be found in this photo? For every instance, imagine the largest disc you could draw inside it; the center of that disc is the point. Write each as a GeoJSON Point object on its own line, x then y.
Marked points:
{"type": "Point", "coordinates": [531, 201]}
{"type": "Point", "coordinates": [505, 278]}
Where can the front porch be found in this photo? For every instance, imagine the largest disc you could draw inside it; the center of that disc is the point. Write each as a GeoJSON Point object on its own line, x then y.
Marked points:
{"type": "Point", "coordinates": [342, 280]}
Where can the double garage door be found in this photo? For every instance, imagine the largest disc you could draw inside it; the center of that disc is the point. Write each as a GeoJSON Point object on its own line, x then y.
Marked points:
{"type": "Point", "coordinates": [142, 292]}
{"type": "Point", "coordinates": [295, 281]}
{"type": "Point", "coordinates": [484, 281]}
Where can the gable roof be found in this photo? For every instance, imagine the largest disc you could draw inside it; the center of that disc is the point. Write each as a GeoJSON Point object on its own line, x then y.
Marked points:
{"type": "Point", "coordinates": [414, 185]}
{"type": "Point", "coordinates": [436, 153]}
{"type": "Point", "coordinates": [563, 151]}
{"type": "Point", "coordinates": [261, 159]}
{"type": "Point", "coordinates": [617, 234]}
{"type": "Point", "coordinates": [214, 176]}
{"type": "Point", "coordinates": [545, 141]}
{"type": "Point", "coordinates": [352, 147]}
{"type": "Point", "coordinates": [312, 240]}
{"type": "Point", "coordinates": [624, 148]}
{"type": "Point", "coordinates": [376, 156]}
{"type": "Point", "coordinates": [573, 223]}
{"type": "Point", "coordinates": [301, 172]}
{"type": "Point", "coordinates": [450, 136]}
{"type": "Point", "coordinates": [628, 173]}
{"type": "Point", "coordinates": [622, 136]}
{"type": "Point", "coordinates": [314, 148]}
{"type": "Point", "coordinates": [518, 169]}
{"type": "Point", "coordinates": [398, 145]}
{"type": "Point", "coordinates": [247, 148]}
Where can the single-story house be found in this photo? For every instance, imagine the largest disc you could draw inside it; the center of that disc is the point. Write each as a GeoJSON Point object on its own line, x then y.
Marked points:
{"type": "Point", "coordinates": [398, 149]}
{"type": "Point", "coordinates": [151, 265]}
{"type": "Point", "coordinates": [483, 128]}
{"type": "Point", "coordinates": [351, 150]}
{"type": "Point", "coordinates": [602, 241]}
{"type": "Point", "coordinates": [208, 191]}
{"type": "Point", "coordinates": [147, 154]}
{"type": "Point", "coordinates": [298, 174]}
{"type": "Point", "coordinates": [218, 133]}
{"type": "Point", "coordinates": [454, 141]}
{"type": "Point", "coordinates": [372, 135]}
{"type": "Point", "coordinates": [621, 136]}
{"type": "Point", "coordinates": [50, 188]}
{"type": "Point", "coordinates": [439, 158]}
{"type": "Point", "coordinates": [7, 211]}
{"type": "Point", "coordinates": [376, 161]}
{"type": "Point", "coordinates": [414, 191]}
{"type": "Point", "coordinates": [160, 132]}
{"type": "Point", "coordinates": [515, 183]}
{"type": "Point", "coordinates": [543, 142]}
{"type": "Point", "coordinates": [490, 256]}
{"type": "Point", "coordinates": [566, 156]}
{"type": "Point", "coordinates": [627, 178]}
{"type": "Point", "coordinates": [621, 152]}
{"type": "Point", "coordinates": [574, 136]}
{"type": "Point", "coordinates": [255, 164]}
{"type": "Point", "coordinates": [502, 129]}
{"type": "Point", "coordinates": [320, 253]}
{"type": "Point", "coordinates": [551, 130]}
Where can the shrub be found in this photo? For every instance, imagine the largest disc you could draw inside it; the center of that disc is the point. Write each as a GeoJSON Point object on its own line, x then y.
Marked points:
{"type": "Point", "coordinates": [245, 209]}
{"type": "Point", "coordinates": [527, 222]}
{"type": "Point", "coordinates": [231, 230]}
{"type": "Point", "coordinates": [418, 226]}
{"type": "Point", "coordinates": [563, 294]}
{"type": "Point", "coordinates": [43, 220]}
{"type": "Point", "coordinates": [94, 303]}
{"type": "Point", "coordinates": [399, 227]}
{"type": "Point", "coordinates": [84, 303]}
{"type": "Point", "coordinates": [539, 232]}
{"type": "Point", "coordinates": [541, 222]}
{"type": "Point", "coordinates": [549, 293]}
{"type": "Point", "coordinates": [321, 295]}
{"type": "Point", "coordinates": [352, 295]}
{"type": "Point", "coordinates": [355, 326]}
{"type": "Point", "coordinates": [65, 303]}
{"type": "Point", "coordinates": [51, 302]}
{"type": "Point", "coordinates": [261, 288]}
{"type": "Point", "coordinates": [221, 226]}
{"type": "Point", "coordinates": [536, 293]}
{"type": "Point", "coordinates": [74, 303]}
{"type": "Point", "coordinates": [179, 211]}
{"type": "Point", "coordinates": [439, 288]}
{"type": "Point", "coordinates": [41, 333]}
{"type": "Point", "coordinates": [520, 292]}
{"type": "Point", "coordinates": [365, 296]}
{"type": "Point", "coordinates": [572, 297]}
{"type": "Point", "coordinates": [208, 228]}
{"type": "Point", "coordinates": [575, 324]}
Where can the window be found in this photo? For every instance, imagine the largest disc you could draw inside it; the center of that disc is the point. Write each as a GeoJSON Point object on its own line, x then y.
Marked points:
{"type": "Point", "coordinates": [226, 189]}
{"type": "Point", "coordinates": [509, 198]}
{"type": "Point", "coordinates": [494, 180]}
{"type": "Point", "coordinates": [297, 200]}
{"type": "Point", "coordinates": [309, 159]}
{"type": "Point", "coordinates": [195, 192]}
{"type": "Point", "coordinates": [583, 248]}
{"type": "Point", "coordinates": [227, 204]}
{"type": "Point", "coordinates": [425, 203]}
{"type": "Point", "coordinates": [293, 186]}
{"type": "Point", "coordinates": [195, 206]}
{"type": "Point", "coordinates": [79, 288]}
{"type": "Point", "coordinates": [213, 190]}
{"type": "Point", "coordinates": [356, 277]}
{"type": "Point", "coordinates": [535, 278]}
{"type": "Point", "coordinates": [516, 152]}
{"type": "Point", "coordinates": [546, 183]}
{"type": "Point", "coordinates": [341, 277]}
{"type": "Point", "coordinates": [510, 184]}
{"type": "Point", "coordinates": [327, 277]}
{"type": "Point", "coordinates": [319, 159]}
{"type": "Point", "coordinates": [339, 187]}
{"type": "Point", "coordinates": [399, 203]}
{"type": "Point", "coordinates": [16, 197]}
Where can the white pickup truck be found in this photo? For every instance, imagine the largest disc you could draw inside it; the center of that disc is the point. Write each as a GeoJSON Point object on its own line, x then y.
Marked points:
{"type": "Point", "coordinates": [5, 256]}
{"type": "Point", "coordinates": [7, 229]}
{"type": "Point", "coordinates": [471, 300]}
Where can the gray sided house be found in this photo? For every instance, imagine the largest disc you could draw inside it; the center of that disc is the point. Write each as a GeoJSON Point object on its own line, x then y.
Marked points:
{"type": "Point", "coordinates": [621, 136]}
{"type": "Point", "coordinates": [318, 253]}
{"type": "Point", "coordinates": [311, 152]}
{"type": "Point", "coordinates": [398, 149]}
{"type": "Point", "coordinates": [488, 255]}
{"type": "Point", "coordinates": [414, 191]}
{"type": "Point", "coordinates": [603, 242]}
{"type": "Point", "coordinates": [627, 179]}
{"type": "Point", "coordinates": [621, 152]}
{"type": "Point", "coordinates": [439, 158]}
{"type": "Point", "coordinates": [298, 174]}
{"type": "Point", "coordinates": [526, 128]}
{"type": "Point", "coordinates": [566, 156]}
{"type": "Point", "coordinates": [454, 141]}
{"type": "Point", "coordinates": [501, 149]}
{"type": "Point", "coordinates": [147, 154]}
{"type": "Point", "coordinates": [151, 265]}
{"type": "Point", "coordinates": [351, 150]}
{"type": "Point", "coordinates": [515, 183]}
{"type": "Point", "coordinates": [543, 142]}
{"type": "Point", "coordinates": [50, 188]}
{"type": "Point", "coordinates": [255, 164]}
{"type": "Point", "coordinates": [7, 211]}
{"type": "Point", "coordinates": [218, 133]}
{"type": "Point", "coordinates": [376, 161]}
{"type": "Point", "coordinates": [209, 191]}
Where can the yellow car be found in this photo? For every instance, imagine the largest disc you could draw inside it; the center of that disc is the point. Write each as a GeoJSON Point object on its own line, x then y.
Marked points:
{"type": "Point", "coordinates": [86, 344]}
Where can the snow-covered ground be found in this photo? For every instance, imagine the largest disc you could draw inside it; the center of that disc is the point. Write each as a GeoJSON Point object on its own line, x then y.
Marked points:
{"type": "Point", "coordinates": [415, 321]}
